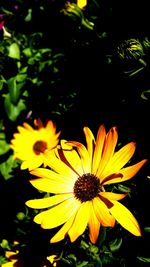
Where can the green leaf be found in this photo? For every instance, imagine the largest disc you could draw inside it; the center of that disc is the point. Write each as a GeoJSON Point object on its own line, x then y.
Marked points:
{"type": "Point", "coordinates": [7, 166]}
{"type": "Point", "coordinates": [144, 94]}
{"type": "Point", "coordinates": [14, 51]}
{"type": "Point", "coordinates": [143, 259]}
{"type": "Point", "coordinates": [13, 90]}
{"type": "Point", "coordinates": [4, 147]}
{"type": "Point", "coordinates": [13, 111]}
{"type": "Point", "coordinates": [29, 15]}
{"type": "Point", "coordinates": [27, 52]}
{"type": "Point", "coordinates": [147, 229]}
{"type": "Point", "coordinates": [2, 81]}
{"type": "Point", "coordinates": [102, 236]}
{"type": "Point", "coordinates": [115, 244]}
{"type": "Point", "coordinates": [82, 264]}
{"type": "Point", "coordinates": [21, 77]}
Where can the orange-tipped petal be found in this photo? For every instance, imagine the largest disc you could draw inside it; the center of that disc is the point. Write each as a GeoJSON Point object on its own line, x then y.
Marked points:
{"type": "Point", "coordinates": [98, 148]}
{"type": "Point", "coordinates": [108, 149]}
{"type": "Point", "coordinates": [94, 226]}
{"type": "Point", "coordinates": [127, 173]}
{"type": "Point", "coordinates": [119, 159]}
{"type": "Point", "coordinates": [113, 196]}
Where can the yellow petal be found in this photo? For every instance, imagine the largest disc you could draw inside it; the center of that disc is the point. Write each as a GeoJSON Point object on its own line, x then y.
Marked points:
{"type": "Point", "coordinates": [127, 173]}
{"type": "Point", "coordinates": [98, 148]}
{"type": "Point", "coordinates": [85, 159]}
{"type": "Point", "coordinates": [94, 226]}
{"type": "Point", "coordinates": [49, 174]}
{"type": "Point", "coordinates": [70, 156]}
{"type": "Point", "coordinates": [119, 159]}
{"type": "Point", "coordinates": [57, 165]}
{"type": "Point", "coordinates": [102, 213]}
{"type": "Point", "coordinates": [51, 127]}
{"type": "Point", "coordinates": [47, 201]}
{"type": "Point", "coordinates": [113, 196]}
{"type": "Point", "coordinates": [31, 164]}
{"type": "Point", "coordinates": [52, 186]}
{"type": "Point", "coordinates": [81, 3]}
{"type": "Point", "coordinates": [57, 215]}
{"type": "Point", "coordinates": [63, 231]}
{"type": "Point", "coordinates": [21, 130]}
{"type": "Point", "coordinates": [125, 218]}
{"type": "Point", "coordinates": [28, 127]}
{"type": "Point", "coordinates": [80, 222]}
{"type": "Point", "coordinates": [108, 149]}
{"type": "Point", "coordinates": [90, 141]}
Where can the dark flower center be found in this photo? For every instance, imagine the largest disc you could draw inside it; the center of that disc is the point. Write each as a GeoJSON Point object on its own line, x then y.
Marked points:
{"type": "Point", "coordinates": [39, 147]}
{"type": "Point", "coordinates": [87, 187]}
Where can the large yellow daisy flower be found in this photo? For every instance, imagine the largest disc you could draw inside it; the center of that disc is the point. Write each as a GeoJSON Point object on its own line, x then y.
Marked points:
{"type": "Point", "coordinates": [30, 144]}
{"type": "Point", "coordinates": [79, 178]}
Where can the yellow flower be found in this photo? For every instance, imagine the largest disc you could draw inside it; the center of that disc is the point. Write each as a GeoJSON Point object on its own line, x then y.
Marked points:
{"type": "Point", "coordinates": [30, 144]}
{"type": "Point", "coordinates": [81, 3]}
{"type": "Point", "coordinates": [78, 179]}
{"type": "Point", "coordinates": [12, 256]}
{"type": "Point", "coordinates": [53, 260]}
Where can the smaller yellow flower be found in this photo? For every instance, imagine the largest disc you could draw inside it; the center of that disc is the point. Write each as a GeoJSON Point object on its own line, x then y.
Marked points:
{"type": "Point", "coordinates": [53, 260]}
{"type": "Point", "coordinates": [12, 256]}
{"type": "Point", "coordinates": [81, 3]}
{"type": "Point", "coordinates": [29, 144]}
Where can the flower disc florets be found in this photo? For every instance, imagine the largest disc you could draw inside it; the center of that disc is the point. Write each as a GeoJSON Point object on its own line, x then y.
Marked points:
{"type": "Point", "coordinates": [87, 187]}
{"type": "Point", "coordinates": [39, 147]}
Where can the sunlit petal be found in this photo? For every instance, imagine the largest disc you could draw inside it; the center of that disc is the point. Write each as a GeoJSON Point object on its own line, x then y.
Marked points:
{"type": "Point", "coordinates": [108, 149]}
{"type": "Point", "coordinates": [58, 166]}
{"type": "Point", "coordinates": [47, 201]}
{"type": "Point", "coordinates": [57, 215]}
{"type": "Point", "coordinates": [63, 231]}
{"type": "Point", "coordinates": [36, 162]}
{"type": "Point", "coordinates": [90, 141]}
{"type": "Point", "coordinates": [98, 148]}
{"type": "Point", "coordinates": [102, 213]}
{"type": "Point", "coordinates": [80, 221]}
{"type": "Point", "coordinates": [52, 175]}
{"type": "Point", "coordinates": [83, 154]}
{"type": "Point", "coordinates": [70, 156]}
{"type": "Point", "coordinates": [119, 159]}
{"type": "Point", "coordinates": [125, 218]}
{"type": "Point", "coordinates": [127, 173]}
{"type": "Point", "coordinates": [94, 225]}
{"type": "Point", "coordinates": [52, 186]}
{"type": "Point", "coordinates": [113, 196]}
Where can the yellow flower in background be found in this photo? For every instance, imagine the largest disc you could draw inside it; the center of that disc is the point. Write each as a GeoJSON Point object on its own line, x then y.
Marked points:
{"type": "Point", "coordinates": [53, 259]}
{"type": "Point", "coordinates": [13, 257]}
{"type": "Point", "coordinates": [78, 178]}
{"type": "Point", "coordinates": [81, 3]}
{"type": "Point", "coordinates": [30, 144]}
